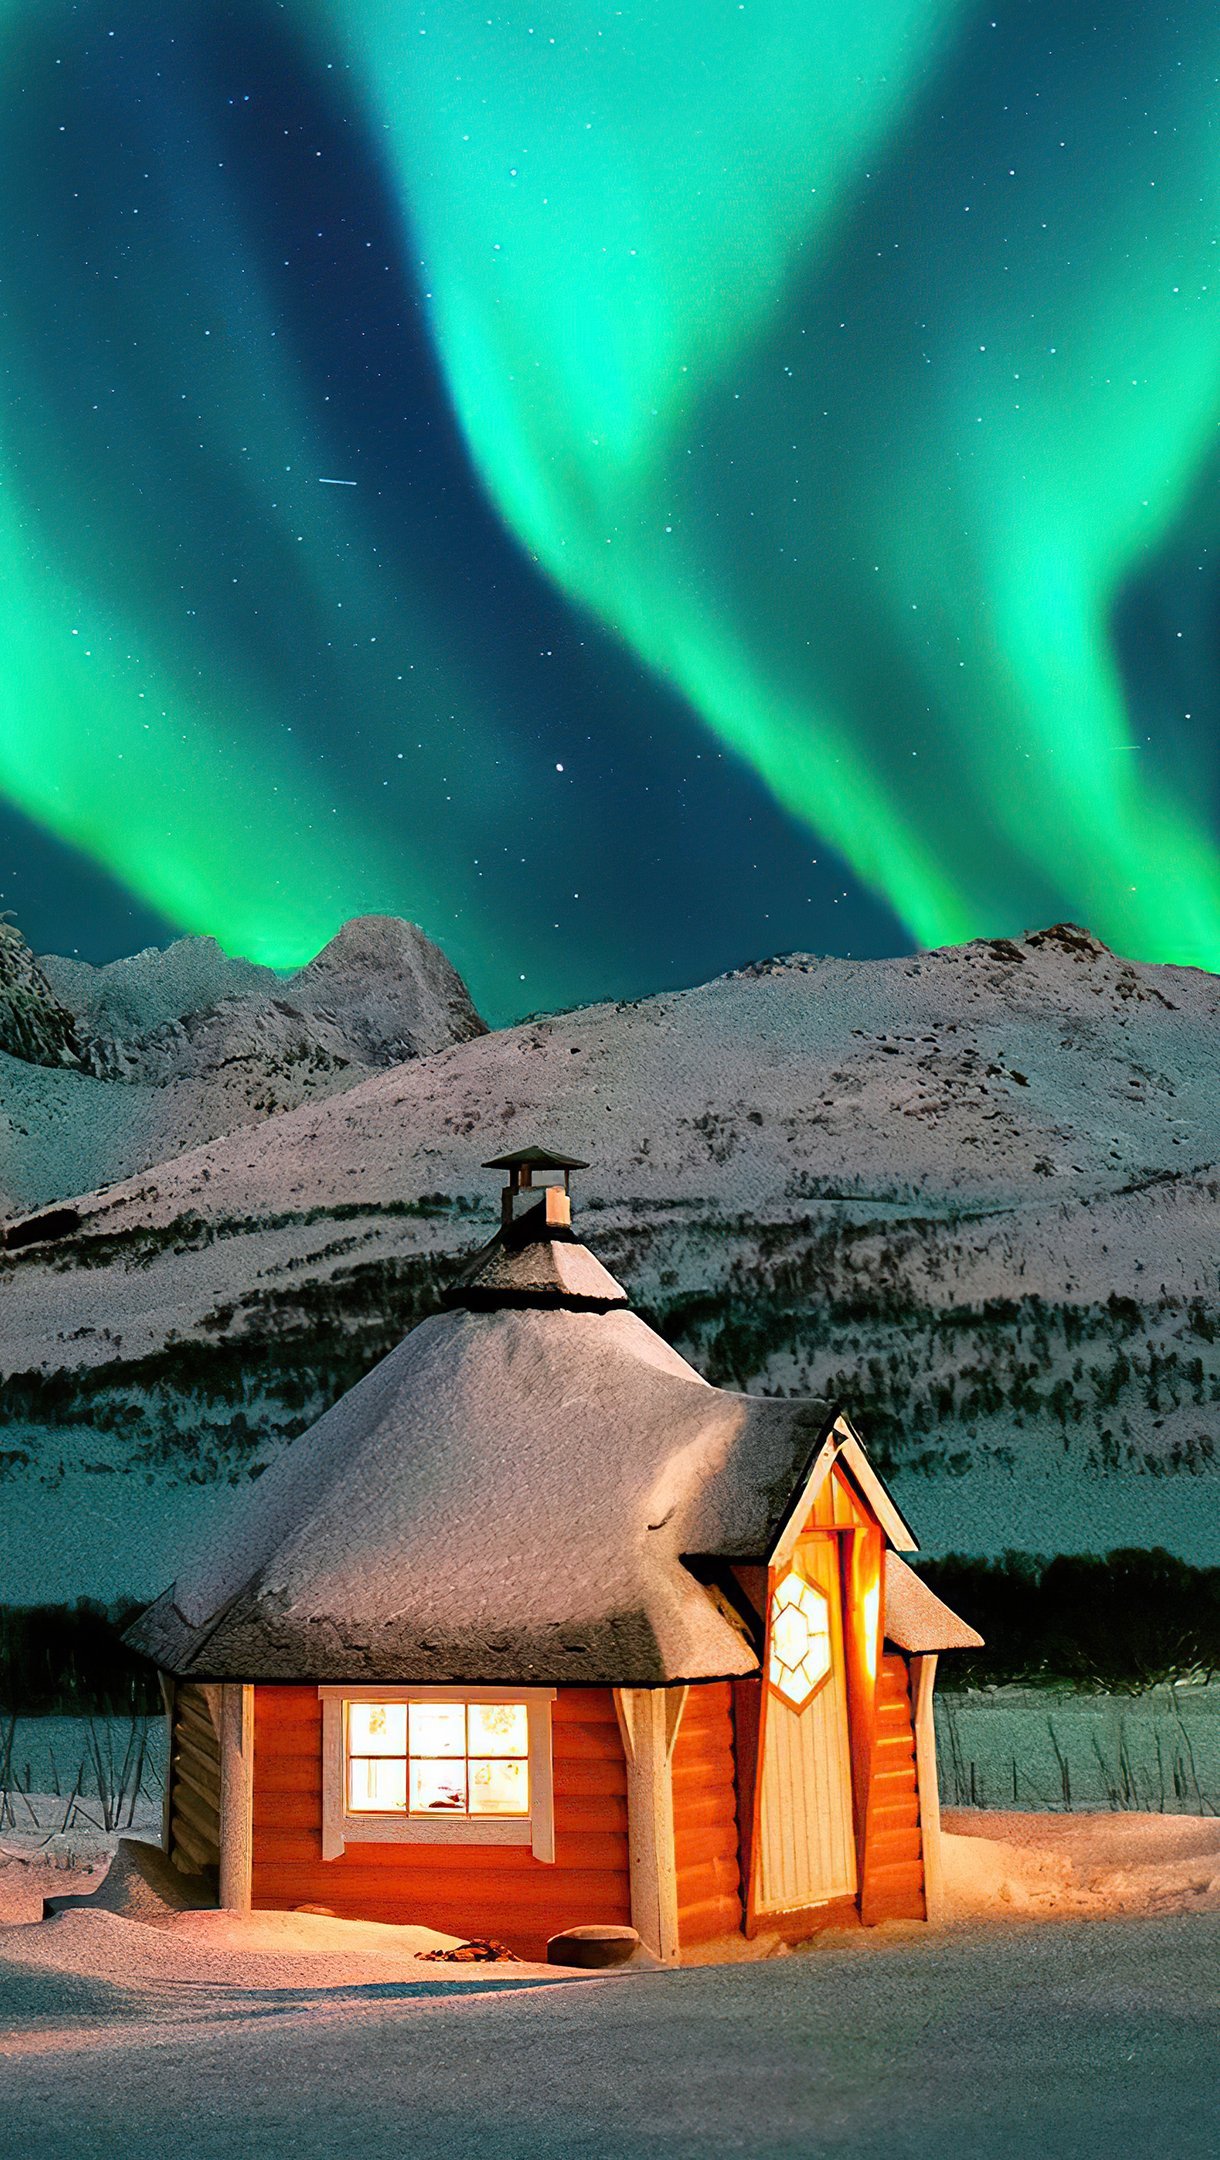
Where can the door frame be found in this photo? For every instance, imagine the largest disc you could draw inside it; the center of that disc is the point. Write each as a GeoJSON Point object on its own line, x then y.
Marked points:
{"type": "Point", "coordinates": [827, 1912]}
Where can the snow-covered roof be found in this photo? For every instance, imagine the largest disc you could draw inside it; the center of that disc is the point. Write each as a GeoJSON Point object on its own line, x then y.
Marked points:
{"type": "Point", "coordinates": [917, 1620]}
{"type": "Point", "coordinates": [547, 1268]}
{"type": "Point", "coordinates": [507, 1496]}
{"type": "Point", "coordinates": [511, 1496]}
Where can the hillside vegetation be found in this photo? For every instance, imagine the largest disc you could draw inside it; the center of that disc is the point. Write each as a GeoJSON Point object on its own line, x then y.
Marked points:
{"type": "Point", "coordinates": [972, 1195]}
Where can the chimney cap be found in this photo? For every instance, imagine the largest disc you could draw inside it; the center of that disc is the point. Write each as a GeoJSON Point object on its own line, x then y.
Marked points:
{"type": "Point", "coordinates": [535, 1158]}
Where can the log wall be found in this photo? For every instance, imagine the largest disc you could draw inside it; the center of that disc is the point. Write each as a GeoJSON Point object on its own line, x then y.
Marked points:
{"type": "Point", "coordinates": [705, 1817]}
{"type": "Point", "coordinates": [194, 1783]}
{"type": "Point", "coordinates": [500, 1891]}
{"type": "Point", "coordinates": [893, 1880]}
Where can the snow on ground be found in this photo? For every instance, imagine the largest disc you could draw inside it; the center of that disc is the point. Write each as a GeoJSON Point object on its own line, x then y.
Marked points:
{"type": "Point", "coordinates": [1072, 1748]}
{"type": "Point", "coordinates": [255, 1952]}
{"type": "Point", "coordinates": [212, 2037]}
{"type": "Point", "coordinates": [129, 1911]}
{"type": "Point", "coordinates": [1051, 1867]}
{"type": "Point", "coordinates": [997, 2043]}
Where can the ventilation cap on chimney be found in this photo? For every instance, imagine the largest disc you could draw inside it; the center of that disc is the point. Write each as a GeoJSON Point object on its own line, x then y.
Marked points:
{"type": "Point", "coordinates": [522, 1165]}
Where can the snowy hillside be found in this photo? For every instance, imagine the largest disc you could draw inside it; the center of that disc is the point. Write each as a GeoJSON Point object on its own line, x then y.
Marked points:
{"type": "Point", "coordinates": [170, 1048]}
{"type": "Point", "coordinates": [974, 1193]}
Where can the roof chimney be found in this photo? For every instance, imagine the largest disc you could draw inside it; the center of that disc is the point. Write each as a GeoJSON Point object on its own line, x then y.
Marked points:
{"type": "Point", "coordinates": [525, 1165]}
{"type": "Point", "coordinates": [534, 1260]}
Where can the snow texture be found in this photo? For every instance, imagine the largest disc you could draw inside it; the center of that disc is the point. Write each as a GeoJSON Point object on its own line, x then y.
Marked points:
{"type": "Point", "coordinates": [508, 1496]}
{"type": "Point", "coordinates": [180, 1045]}
{"type": "Point", "coordinates": [998, 2039]}
{"type": "Point", "coordinates": [1001, 1157]}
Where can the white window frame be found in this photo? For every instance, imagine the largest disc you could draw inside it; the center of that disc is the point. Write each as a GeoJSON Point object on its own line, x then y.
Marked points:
{"type": "Point", "coordinates": [340, 1827]}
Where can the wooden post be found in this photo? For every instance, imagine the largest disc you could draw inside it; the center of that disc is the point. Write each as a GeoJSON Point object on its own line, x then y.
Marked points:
{"type": "Point", "coordinates": [923, 1680]}
{"type": "Point", "coordinates": [167, 1701]}
{"type": "Point", "coordinates": [648, 1720]}
{"type": "Point", "coordinates": [236, 1796]}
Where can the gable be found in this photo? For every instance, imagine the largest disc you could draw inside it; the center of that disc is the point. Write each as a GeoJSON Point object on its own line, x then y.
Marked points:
{"type": "Point", "coordinates": [840, 1490]}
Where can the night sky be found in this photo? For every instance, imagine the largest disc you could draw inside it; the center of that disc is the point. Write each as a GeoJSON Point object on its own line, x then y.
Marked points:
{"type": "Point", "coordinates": [634, 488]}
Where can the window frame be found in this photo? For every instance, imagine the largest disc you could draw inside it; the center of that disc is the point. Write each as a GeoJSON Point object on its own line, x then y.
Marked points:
{"type": "Point", "coordinates": [340, 1827]}
{"type": "Point", "coordinates": [781, 1578]}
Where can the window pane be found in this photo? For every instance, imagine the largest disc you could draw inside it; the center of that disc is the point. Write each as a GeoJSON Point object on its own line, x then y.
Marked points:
{"type": "Point", "coordinates": [499, 1787]}
{"type": "Point", "coordinates": [376, 1786]}
{"type": "Point", "coordinates": [438, 1787]}
{"type": "Point", "coordinates": [438, 1728]}
{"type": "Point", "coordinates": [499, 1728]}
{"type": "Point", "coordinates": [377, 1728]}
{"type": "Point", "coordinates": [800, 1639]}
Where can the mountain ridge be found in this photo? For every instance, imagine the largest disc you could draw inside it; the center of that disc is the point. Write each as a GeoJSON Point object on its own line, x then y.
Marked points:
{"type": "Point", "coordinates": [973, 1193]}
{"type": "Point", "coordinates": [173, 1046]}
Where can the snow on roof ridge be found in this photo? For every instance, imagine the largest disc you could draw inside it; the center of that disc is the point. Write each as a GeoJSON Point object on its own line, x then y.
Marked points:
{"type": "Point", "coordinates": [509, 1495]}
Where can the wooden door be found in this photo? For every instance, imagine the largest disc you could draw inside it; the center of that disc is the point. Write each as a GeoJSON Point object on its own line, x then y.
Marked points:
{"type": "Point", "coordinates": [806, 1843]}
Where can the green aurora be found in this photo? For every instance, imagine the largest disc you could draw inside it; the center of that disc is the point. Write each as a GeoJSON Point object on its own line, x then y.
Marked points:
{"type": "Point", "coordinates": [854, 370]}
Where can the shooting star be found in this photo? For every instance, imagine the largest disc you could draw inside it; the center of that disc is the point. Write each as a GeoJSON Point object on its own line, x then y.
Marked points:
{"type": "Point", "coordinates": [337, 483]}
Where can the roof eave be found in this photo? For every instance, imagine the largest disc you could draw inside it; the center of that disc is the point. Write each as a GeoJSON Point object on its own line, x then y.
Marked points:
{"type": "Point", "coordinates": [492, 1300]}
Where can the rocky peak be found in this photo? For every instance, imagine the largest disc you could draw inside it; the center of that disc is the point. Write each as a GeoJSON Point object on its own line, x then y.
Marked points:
{"type": "Point", "coordinates": [389, 988]}
{"type": "Point", "coordinates": [125, 999]}
{"type": "Point", "coordinates": [34, 1026]}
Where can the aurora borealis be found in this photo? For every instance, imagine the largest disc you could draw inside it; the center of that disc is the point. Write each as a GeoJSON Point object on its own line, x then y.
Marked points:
{"type": "Point", "coordinates": [784, 439]}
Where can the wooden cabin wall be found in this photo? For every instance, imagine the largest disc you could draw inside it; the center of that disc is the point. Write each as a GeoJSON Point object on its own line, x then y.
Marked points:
{"type": "Point", "coordinates": [194, 1783]}
{"type": "Point", "coordinates": [705, 1817]}
{"type": "Point", "coordinates": [863, 1558]}
{"type": "Point", "coordinates": [892, 1887]}
{"type": "Point", "coordinates": [500, 1891]}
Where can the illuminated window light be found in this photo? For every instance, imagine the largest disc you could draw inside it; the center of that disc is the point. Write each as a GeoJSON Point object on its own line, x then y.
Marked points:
{"type": "Point", "coordinates": [800, 1656]}
{"type": "Point", "coordinates": [438, 1758]}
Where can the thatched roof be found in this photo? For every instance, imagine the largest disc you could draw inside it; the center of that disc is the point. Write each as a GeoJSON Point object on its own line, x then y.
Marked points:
{"type": "Point", "coordinates": [511, 1496]}
{"type": "Point", "coordinates": [533, 1262]}
{"type": "Point", "coordinates": [916, 1620]}
{"type": "Point", "coordinates": [508, 1496]}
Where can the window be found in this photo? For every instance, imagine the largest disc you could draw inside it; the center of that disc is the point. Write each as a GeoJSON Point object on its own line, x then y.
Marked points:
{"type": "Point", "coordinates": [800, 1657]}
{"type": "Point", "coordinates": [437, 1765]}
{"type": "Point", "coordinates": [438, 1758]}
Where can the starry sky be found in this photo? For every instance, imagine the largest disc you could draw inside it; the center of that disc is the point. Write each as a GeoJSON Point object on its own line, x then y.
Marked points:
{"type": "Point", "coordinates": [633, 488]}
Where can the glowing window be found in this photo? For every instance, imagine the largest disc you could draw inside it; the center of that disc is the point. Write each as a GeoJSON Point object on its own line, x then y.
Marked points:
{"type": "Point", "coordinates": [430, 1758]}
{"type": "Point", "coordinates": [800, 1639]}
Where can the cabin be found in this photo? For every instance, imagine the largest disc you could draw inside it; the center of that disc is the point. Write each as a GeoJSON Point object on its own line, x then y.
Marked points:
{"type": "Point", "coordinates": [535, 1629]}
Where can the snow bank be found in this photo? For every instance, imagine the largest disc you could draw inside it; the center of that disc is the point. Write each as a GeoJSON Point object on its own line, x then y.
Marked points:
{"type": "Point", "coordinates": [259, 1950]}
{"type": "Point", "coordinates": [1056, 1867]}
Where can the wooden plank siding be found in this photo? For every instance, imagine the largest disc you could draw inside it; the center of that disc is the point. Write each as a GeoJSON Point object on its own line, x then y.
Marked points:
{"type": "Point", "coordinates": [837, 1505]}
{"type": "Point", "coordinates": [466, 1890]}
{"type": "Point", "coordinates": [893, 1884]}
{"type": "Point", "coordinates": [705, 1817]}
{"type": "Point", "coordinates": [194, 1784]}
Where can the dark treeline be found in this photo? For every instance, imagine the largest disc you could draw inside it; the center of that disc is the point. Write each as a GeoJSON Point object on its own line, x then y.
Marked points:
{"type": "Point", "coordinates": [70, 1660]}
{"type": "Point", "coordinates": [1124, 1620]}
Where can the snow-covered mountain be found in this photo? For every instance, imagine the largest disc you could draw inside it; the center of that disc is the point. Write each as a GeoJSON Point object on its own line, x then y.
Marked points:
{"type": "Point", "coordinates": [34, 1025]}
{"type": "Point", "coordinates": [137, 1060]}
{"type": "Point", "coordinates": [973, 1193]}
